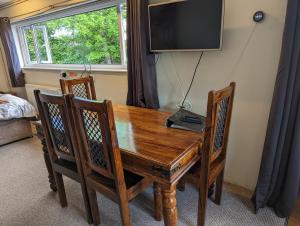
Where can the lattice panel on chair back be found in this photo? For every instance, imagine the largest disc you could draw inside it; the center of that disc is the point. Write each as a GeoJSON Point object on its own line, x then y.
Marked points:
{"type": "Point", "coordinates": [97, 152]}
{"type": "Point", "coordinates": [80, 90]}
{"type": "Point", "coordinates": [57, 128]}
{"type": "Point", "coordinates": [222, 112]}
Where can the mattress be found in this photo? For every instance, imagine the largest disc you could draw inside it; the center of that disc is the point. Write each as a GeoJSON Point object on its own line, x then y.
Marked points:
{"type": "Point", "coordinates": [14, 130]}
{"type": "Point", "coordinates": [12, 107]}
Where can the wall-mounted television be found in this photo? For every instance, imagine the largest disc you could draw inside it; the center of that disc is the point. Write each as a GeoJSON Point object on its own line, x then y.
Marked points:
{"type": "Point", "coordinates": [186, 25]}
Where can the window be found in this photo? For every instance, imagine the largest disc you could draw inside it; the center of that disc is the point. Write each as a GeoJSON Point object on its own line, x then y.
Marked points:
{"type": "Point", "coordinates": [91, 35]}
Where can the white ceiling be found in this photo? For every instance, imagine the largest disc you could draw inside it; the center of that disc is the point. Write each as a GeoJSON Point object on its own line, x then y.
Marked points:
{"type": "Point", "coordinates": [4, 1]}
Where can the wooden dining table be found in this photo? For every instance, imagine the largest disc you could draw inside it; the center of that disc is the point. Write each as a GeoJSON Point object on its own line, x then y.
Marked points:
{"type": "Point", "coordinates": [150, 149]}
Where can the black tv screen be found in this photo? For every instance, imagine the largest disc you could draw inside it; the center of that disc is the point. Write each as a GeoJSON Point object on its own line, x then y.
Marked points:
{"type": "Point", "coordinates": [186, 25]}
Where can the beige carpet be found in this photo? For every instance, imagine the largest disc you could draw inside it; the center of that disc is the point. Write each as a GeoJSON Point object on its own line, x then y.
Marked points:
{"type": "Point", "coordinates": [25, 198]}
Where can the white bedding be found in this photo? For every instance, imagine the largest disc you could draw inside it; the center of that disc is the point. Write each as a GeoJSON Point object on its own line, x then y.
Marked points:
{"type": "Point", "coordinates": [15, 107]}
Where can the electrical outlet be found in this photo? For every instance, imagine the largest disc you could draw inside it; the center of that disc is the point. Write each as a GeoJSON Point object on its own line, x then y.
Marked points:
{"type": "Point", "coordinates": [187, 105]}
{"type": "Point", "coordinates": [63, 74]}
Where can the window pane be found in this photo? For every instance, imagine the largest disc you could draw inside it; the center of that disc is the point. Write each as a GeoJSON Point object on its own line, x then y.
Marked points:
{"type": "Point", "coordinates": [30, 44]}
{"type": "Point", "coordinates": [90, 38]}
{"type": "Point", "coordinates": [41, 44]}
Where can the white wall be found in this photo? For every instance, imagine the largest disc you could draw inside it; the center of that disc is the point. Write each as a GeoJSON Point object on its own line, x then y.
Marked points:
{"type": "Point", "coordinates": [108, 85]}
{"type": "Point", "coordinates": [250, 57]}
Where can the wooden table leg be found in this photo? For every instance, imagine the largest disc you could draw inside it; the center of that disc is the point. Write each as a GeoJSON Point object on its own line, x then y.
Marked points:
{"type": "Point", "coordinates": [40, 134]}
{"type": "Point", "coordinates": [169, 205]}
{"type": "Point", "coordinates": [157, 201]}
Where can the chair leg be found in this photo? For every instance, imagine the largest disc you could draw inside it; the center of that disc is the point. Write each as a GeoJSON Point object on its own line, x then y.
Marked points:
{"type": "Point", "coordinates": [202, 203]}
{"type": "Point", "coordinates": [86, 203]}
{"type": "Point", "coordinates": [219, 188]}
{"type": "Point", "coordinates": [203, 188]}
{"type": "Point", "coordinates": [94, 206]}
{"type": "Point", "coordinates": [157, 201]}
{"type": "Point", "coordinates": [124, 210]}
{"type": "Point", "coordinates": [60, 189]}
{"type": "Point", "coordinates": [181, 185]}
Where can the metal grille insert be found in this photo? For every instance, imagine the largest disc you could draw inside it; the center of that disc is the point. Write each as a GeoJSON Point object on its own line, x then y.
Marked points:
{"type": "Point", "coordinates": [79, 90]}
{"type": "Point", "coordinates": [57, 128]}
{"type": "Point", "coordinates": [221, 114]}
{"type": "Point", "coordinates": [94, 138]}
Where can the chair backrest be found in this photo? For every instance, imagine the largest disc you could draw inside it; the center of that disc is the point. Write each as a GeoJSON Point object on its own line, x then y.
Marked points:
{"type": "Point", "coordinates": [219, 108]}
{"type": "Point", "coordinates": [81, 87]}
{"type": "Point", "coordinates": [96, 132]}
{"type": "Point", "coordinates": [56, 123]}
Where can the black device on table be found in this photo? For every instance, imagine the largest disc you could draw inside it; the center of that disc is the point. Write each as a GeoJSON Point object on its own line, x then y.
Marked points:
{"type": "Point", "coordinates": [191, 119]}
{"type": "Point", "coordinates": [186, 120]}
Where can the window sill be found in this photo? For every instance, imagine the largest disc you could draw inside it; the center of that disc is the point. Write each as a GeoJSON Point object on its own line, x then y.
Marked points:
{"type": "Point", "coordinates": [118, 69]}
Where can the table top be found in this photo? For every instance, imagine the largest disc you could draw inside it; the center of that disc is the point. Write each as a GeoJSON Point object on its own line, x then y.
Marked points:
{"type": "Point", "coordinates": [142, 132]}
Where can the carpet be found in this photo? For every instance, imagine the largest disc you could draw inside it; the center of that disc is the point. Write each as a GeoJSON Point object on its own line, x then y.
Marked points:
{"type": "Point", "coordinates": [27, 200]}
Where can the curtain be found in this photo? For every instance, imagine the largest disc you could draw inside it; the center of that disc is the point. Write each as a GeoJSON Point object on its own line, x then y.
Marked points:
{"type": "Point", "coordinates": [9, 47]}
{"type": "Point", "coordinates": [142, 84]}
{"type": "Point", "coordinates": [278, 184]}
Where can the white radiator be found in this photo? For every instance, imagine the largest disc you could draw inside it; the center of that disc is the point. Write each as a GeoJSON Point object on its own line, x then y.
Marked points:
{"type": "Point", "coordinates": [46, 89]}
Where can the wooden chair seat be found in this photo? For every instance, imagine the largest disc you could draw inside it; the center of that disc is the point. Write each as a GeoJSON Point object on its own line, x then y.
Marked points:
{"type": "Point", "coordinates": [133, 182]}
{"type": "Point", "coordinates": [193, 175]}
{"type": "Point", "coordinates": [131, 179]}
{"type": "Point", "coordinates": [67, 168]}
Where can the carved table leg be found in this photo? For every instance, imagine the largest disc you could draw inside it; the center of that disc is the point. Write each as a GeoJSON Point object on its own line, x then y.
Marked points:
{"type": "Point", "coordinates": [169, 205]}
{"type": "Point", "coordinates": [49, 167]}
{"type": "Point", "coordinates": [40, 134]}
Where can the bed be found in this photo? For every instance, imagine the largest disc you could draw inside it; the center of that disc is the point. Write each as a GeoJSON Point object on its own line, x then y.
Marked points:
{"type": "Point", "coordinates": [15, 116]}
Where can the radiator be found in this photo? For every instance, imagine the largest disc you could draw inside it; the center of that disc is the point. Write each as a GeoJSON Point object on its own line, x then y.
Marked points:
{"type": "Point", "coordinates": [46, 89]}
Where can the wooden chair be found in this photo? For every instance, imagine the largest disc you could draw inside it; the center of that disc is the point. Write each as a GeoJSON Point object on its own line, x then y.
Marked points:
{"type": "Point", "coordinates": [210, 169]}
{"type": "Point", "coordinates": [64, 157]}
{"type": "Point", "coordinates": [81, 87]}
{"type": "Point", "coordinates": [101, 157]}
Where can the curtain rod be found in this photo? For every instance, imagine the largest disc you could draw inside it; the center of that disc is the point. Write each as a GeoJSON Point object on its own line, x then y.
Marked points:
{"type": "Point", "coordinates": [45, 9]}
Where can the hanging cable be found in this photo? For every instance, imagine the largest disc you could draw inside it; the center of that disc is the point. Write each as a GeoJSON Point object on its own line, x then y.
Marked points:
{"type": "Point", "coordinates": [240, 57]}
{"type": "Point", "coordinates": [84, 71]}
{"type": "Point", "coordinates": [157, 58]}
{"type": "Point", "coordinates": [90, 71]}
{"type": "Point", "coordinates": [195, 71]}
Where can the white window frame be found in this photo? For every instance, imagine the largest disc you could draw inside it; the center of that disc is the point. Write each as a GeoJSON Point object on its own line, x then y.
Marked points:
{"type": "Point", "coordinates": [27, 59]}
{"type": "Point", "coordinates": [89, 6]}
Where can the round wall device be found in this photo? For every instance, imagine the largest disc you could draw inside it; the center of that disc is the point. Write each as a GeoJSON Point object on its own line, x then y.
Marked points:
{"type": "Point", "coordinates": [259, 16]}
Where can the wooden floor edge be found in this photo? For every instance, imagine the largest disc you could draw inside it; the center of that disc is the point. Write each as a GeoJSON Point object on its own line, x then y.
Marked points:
{"type": "Point", "coordinates": [238, 190]}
